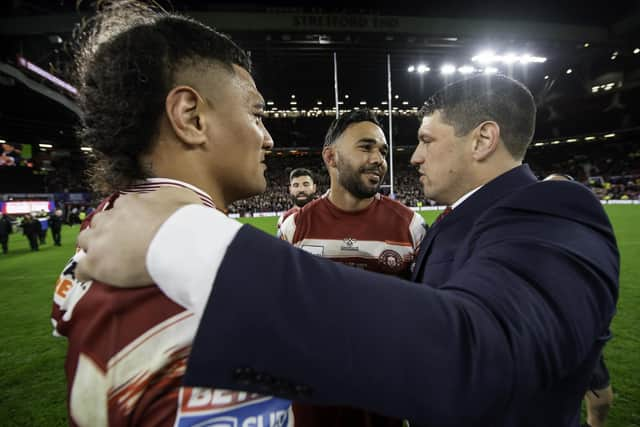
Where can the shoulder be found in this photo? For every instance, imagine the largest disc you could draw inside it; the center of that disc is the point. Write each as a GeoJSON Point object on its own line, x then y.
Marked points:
{"type": "Point", "coordinates": [393, 207]}
{"type": "Point", "coordinates": [558, 198]}
{"type": "Point", "coordinates": [404, 217]}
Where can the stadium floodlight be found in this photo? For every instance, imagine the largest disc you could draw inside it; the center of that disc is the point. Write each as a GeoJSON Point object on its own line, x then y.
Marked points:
{"type": "Point", "coordinates": [2, 141]}
{"type": "Point", "coordinates": [546, 77]}
{"type": "Point", "coordinates": [485, 57]}
{"type": "Point", "coordinates": [555, 142]}
{"type": "Point", "coordinates": [538, 144]}
{"type": "Point", "coordinates": [572, 140]}
{"type": "Point", "coordinates": [586, 44]}
{"type": "Point", "coordinates": [396, 96]}
{"type": "Point", "coordinates": [340, 102]}
{"type": "Point", "coordinates": [405, 102]}
{"type": "Point", "coordinates": [293, 103]}
{"type": "Point", "coordinates": [490, 70]}
{"type": "Point", "coordinates": [636, 51]}
{"type": "Point", "coordinates": [269, 102]}
{"type": "Point", "coordinates": [293, 97]}
{"type": "Point", "coordinates": [346, 96]}
{"type": "Point", "coordinates": [510, 58]}
{"type": "Point", "coordinates": [363, 102]}
{"type": "Point", "coordinates": [45, 145]}
{"type": "Point", "coordinates": [466, 69]}
{"type": "Point", "coordinates": [384, 103]}
{"type": "Point", "coordinates": [589, 138]}
{"type": "Point", "coordinates": [411, 69]}
{"type": "Point", "coordinates": [423, 69]}
{"type": "Point", "coordinates": [489, 57]}
{"type": "Point", "coordinates": [569, 71]}
{"type": "Point", "coordinates": [319, 102]}
{"type": "Point", "coordinates": [86, 149]}
{"type": "Point", "coordinates": [595, 89]}
{"type": "Point", "coordinates": [610, 135]}
{"type": "Point", "coordinates": [447, 69]}
{"type": "Point", "coordinates": [538, 59]}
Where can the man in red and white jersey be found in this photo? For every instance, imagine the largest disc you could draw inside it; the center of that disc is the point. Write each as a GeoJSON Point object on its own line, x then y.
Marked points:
{"type": "Point", "coordinates": [302, 190]}
{"type": "Point", "coordinates": [356, 225]}
{"type": "Point", "coordinates": [193, 117]}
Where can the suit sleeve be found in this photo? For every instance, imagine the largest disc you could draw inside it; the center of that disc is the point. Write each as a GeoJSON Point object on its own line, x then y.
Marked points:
{"type": "Point", "coordinates": [521, 312]}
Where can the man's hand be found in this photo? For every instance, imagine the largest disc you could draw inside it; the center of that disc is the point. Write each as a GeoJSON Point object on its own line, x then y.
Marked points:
{"type": "Point", "coordinates": [116, 244]}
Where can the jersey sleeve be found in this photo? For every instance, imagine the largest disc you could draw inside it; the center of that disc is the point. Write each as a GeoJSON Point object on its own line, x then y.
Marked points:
{"type": "Point", "coordinates": [417, 229]}
{"type": "Point", "coordinates": [288, 228]}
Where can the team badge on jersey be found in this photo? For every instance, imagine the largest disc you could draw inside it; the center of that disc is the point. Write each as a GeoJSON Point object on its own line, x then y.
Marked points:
{"type": "Point", "coordinates": [391, 260]}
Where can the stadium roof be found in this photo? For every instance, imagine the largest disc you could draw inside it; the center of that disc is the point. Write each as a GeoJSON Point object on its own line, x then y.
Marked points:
{"type": "Point", "coordinates": [292, 45]}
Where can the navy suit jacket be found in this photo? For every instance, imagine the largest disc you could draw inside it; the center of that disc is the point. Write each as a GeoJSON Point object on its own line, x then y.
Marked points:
{"type": "Point", "coordinates": [516, 290]}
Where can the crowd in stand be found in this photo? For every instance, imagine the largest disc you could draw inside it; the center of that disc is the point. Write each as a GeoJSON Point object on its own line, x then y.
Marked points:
{"type": "Point", "coordinates": [614, 174]}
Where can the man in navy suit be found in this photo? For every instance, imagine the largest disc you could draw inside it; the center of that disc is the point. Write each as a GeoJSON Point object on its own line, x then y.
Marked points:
{"type": "Point", "coordinates": [515, 287]}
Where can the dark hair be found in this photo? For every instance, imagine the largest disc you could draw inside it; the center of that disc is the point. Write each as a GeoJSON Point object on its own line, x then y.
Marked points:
{"type": "Point", "coordinates": [300, 172]}
{"type": "Point", "coordinates": [467, 103]}
{"type": "Point", "coordinates": [127, 58]}
{"type": "Point", "coordinates": [339, 125]}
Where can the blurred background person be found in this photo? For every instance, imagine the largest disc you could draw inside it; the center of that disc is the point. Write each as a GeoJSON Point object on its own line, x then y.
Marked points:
{"type": "Point", "coordinates": [55, 223]}
{"type": "Point", "coordinates": [5, 229]}
{"type": "Point", "coordinates": [302, 189]}
{"type": "Point", "coordinates": [31, 228]}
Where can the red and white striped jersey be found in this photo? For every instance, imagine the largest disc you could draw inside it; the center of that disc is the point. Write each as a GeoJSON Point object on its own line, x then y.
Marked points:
{"type": "Point", "coordinates": [284, 216]}
{"type": "Point", "coordinates": [383, 237]}
{"type": "Point", "coordinates": [128, 351]}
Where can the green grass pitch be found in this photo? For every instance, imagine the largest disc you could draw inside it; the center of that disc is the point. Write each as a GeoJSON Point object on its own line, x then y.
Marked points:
{"type": "Point", "coordinates": [32, 382]}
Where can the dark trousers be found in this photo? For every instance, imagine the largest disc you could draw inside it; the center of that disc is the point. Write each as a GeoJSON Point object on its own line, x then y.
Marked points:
{"type": "Point", "coordinates": [4, 241]}
{"type": "Point", "coordinates": [43, 236]}
{"type": "Point", "coordinates": [33, 241]}
{"type": "Point", "coordinates": [55, 233]}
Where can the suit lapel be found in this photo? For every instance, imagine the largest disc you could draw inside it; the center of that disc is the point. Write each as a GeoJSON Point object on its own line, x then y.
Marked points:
{"type": "Point", "coordinates": [424, 248]}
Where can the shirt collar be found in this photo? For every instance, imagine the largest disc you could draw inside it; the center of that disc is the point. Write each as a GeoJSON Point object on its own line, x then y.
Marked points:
{"type": "Point", "coordinates": [465, 197]}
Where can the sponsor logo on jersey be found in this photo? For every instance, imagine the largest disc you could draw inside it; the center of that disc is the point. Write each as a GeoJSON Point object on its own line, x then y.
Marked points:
{"type": "Point", "coordinates": [225, 408]}
{"type": "Point", "coordinates": [350, 244]}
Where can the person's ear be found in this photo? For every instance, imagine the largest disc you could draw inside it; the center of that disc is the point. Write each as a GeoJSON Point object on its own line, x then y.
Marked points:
{"type": "Point", "coordinates": [329, 156]}
{"type": "Point", "coordinates": [185, 111]}
{"type": "Point", "coordinates": [486, 140]}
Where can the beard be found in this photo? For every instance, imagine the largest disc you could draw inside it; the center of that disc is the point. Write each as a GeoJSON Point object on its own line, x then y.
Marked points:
{"type": "Point", "coordinates": [351, 179]}
{"type": "Point", "coordinates": [301, 201]}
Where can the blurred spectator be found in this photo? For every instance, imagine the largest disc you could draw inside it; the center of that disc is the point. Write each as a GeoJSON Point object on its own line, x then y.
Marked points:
{"type": "Point", "coordinates": [5, 230]}
{"type": "Point", "coordinates": [10, 155]}
{"type": "Point", "coordinates": [43, 218]}
{"type": "Point", "coordinates": [55, 223]}
{"type": "Point", "coordinates": [31, 228]}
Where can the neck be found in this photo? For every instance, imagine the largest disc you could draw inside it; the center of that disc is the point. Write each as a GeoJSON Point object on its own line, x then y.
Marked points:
{"type": "Point", "coordinates": [483, 176]}
{"type": "Point", "coordinates": [346, 201]}
{"type": "Point", "coordinates": [164, 166]}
